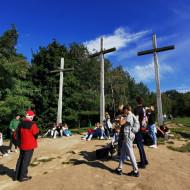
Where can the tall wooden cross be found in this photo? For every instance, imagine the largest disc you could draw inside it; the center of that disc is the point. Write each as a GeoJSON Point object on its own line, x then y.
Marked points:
{"type": "Point", "coordinates": [102, 97]}
{"type": "Point", "coordinates": [158, 93]}
{"type": "Point", "coordinates": [61, 70]}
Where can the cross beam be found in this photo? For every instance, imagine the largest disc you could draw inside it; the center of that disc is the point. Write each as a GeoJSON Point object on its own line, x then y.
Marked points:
{"type": "Point", "coordinates": [102, 97]}
{"type": "Point", "coordinates": [155, 50]}
{"type": "Point", "coordinates": [61, 70]}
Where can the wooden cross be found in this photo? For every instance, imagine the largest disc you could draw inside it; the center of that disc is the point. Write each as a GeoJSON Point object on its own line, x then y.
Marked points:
{"type": "Point", "coordinates": [61, 70]}
{"type": "Point", "coordinates": [158, 93]}
{"type": "Point", "coordinates": [102, 97]}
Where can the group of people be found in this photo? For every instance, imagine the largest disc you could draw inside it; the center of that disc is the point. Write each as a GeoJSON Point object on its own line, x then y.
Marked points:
{"type": "Point", "coordinates": [58, 130]}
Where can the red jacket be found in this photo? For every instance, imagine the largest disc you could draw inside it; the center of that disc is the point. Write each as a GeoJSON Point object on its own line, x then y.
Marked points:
{"type": "Point", "coordinates": [28, 133]}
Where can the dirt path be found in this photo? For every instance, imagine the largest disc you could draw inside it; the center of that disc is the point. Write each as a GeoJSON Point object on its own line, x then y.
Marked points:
{"type": "Point", "coordinates": [167, 169]}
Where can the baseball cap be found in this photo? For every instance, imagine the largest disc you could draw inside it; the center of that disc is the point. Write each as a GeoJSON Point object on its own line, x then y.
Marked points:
{"type": "Point", "coordinates": [30, 113]}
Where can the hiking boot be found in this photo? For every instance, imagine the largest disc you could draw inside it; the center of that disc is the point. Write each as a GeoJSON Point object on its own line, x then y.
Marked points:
{"type": "Point", "coordinates": [134, 174]}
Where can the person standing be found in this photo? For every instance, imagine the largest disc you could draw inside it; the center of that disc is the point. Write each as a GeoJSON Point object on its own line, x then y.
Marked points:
{"type": "Point", "coordinates": [13, 125]}
{"type": "Point", "coordinates": [139, 113]}
{"type": "Point", "coordinates": [27, 132]}
{"type": "Point", "coordinates": [127, 146]}
{"type": "Point", "coordinates": [152, 126]}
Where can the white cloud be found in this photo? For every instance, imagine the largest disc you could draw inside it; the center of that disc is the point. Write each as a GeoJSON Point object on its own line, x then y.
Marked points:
{"type": "Point", "coordinates": [146, 73]}
{"type": "Point", "coordinates": [119, 39]}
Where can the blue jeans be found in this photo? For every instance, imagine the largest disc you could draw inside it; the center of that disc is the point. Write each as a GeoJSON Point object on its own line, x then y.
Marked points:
{"type": "Point", "coordinates": [139, 138]}
{"type": "Point", "coordinates": [151, 133]}
{"type": "Point", "coordinates": [100, 133]}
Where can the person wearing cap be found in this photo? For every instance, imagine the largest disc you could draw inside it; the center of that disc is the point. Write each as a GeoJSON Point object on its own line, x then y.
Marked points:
{"type": "Point", "coordinates": [27, 133]}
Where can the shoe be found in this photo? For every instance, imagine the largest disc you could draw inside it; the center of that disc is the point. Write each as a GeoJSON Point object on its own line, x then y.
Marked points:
{"type": "Point", "coordinates": [15, 151]}
{"type": "Point", "coordinates": [8, 151]}
{"type": "Point", "coordinates": [26, 178]}
{"type": "Point", "coordinates": [127, 158]}
{"type": "Point", "coordinates": [134, 174]}
{"type": "Point", "coordinates": [101, 137]}
{"type": "Point", "coordinates": [141, 165]}
{"type": "Point", "coordinates": [116, 157]}
{"type": "Point", "coordinates": [89, 139]}
{"type": "Point", "coordinates": [98, 137]}
{"type": "Point", "coordinates": [117, 171]}
{"type": "Point", "coordinates": [153, 146]}
{"type": "Point", "coordinates": [109, 138]}
{"type": "Point", "coordinates": [5, 155]}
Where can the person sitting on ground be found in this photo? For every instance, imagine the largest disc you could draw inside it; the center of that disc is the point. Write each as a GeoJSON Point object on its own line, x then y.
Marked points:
{"type": "Point", "coordinates": [2, 149]}
{"type": "Point", "coordinates": [163, 132]}
{"type": "Point", "coordinates": [65, 130]}
{"type": "Point", "coordinates": [100, 132]}
{"type": "Point", "coordinates": [114, 142]}
{"type": "Point", "coordinates": [51, 131]}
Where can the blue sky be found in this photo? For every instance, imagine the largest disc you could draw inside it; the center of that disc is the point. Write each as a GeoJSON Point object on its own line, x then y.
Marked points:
{"type": "Point", "coordinates": [126, 25]}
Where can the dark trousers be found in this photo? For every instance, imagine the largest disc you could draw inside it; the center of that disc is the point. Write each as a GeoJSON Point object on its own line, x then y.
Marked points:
{"type": "Point", "coordinates": [11, 142]}
{"type": "Point", "coordinates": [139, 139]}
{"type": "Point", "coordinates": [23, 163]}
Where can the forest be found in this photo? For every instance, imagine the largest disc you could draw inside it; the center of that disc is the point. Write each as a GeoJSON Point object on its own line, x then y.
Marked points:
{"type": "Point", "coordinates": [28, 85]}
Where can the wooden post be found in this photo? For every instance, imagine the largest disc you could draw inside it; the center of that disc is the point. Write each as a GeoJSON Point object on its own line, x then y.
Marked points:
{"type": "Point", "coordinates": [158, 92]}
{"type": "Point", "coordinates": [102, 96]}
{"type": "Point", "coordinates": [61, 70]}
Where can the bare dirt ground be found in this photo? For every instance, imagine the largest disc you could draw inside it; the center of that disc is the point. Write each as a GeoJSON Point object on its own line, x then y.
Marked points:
{"type": "Point", "coordinates": [167, 169]}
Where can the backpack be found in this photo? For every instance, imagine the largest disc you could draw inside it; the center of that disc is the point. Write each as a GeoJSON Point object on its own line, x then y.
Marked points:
{"type": "Point", "coordinates": [136, 125]}
{"type": "Point", "coordinates": [102, 153]}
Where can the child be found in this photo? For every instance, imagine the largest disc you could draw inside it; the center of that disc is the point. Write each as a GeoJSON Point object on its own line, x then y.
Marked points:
{"type": "Point", "coordinates": [65, 130]}
{"type": "Point", "coordinates": [100, 132]}
{"type": "Point", "coordinates": [114, 142]}
{"type": "Point", "coordinates": [163, 132]}
{"type": "Point", "coordinates": [89, 135]}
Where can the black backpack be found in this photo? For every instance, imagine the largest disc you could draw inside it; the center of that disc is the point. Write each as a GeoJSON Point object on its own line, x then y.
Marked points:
{"type": "Point", "coordinates": [102, 153]}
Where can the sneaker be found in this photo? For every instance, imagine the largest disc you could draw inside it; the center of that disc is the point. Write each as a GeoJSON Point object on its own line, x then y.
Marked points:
{"type": "Point", "coordinates": [109, 138]}
{"type": "Point", "coordinates": [15, 151]}
{"type": "Point", "coordinates": [88, 139]}
{"type": "Point", "coordinates": [117, 171]}
{"type": "Point", "coordinates": [83, 138]}
{"type": "Point", "coordinates": [134, 174]}
{"type": "Point", "coordinates": [116, 157]}
{"type": "Point", "coordinates": [127, 158]}
{"type": "Point", "coordinates": [98, 137]}
{"type": "Point", "coordinates": [153, 146]}
{"type": "Point", "coordinates": [5, 155]}
{"type": "Point", "coordinates": [8, 151]}
{"type": "Point", "coordinates": [101, 137]}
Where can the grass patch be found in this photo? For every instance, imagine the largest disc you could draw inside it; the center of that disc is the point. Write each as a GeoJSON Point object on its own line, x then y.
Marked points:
{"type": "Point", "coordinates": [161, 141]}
{"type": "Point", "coordinates": [34, 163]}
{"type": "Point", "coordinates": [71, 152]}
{"type": "Point", "coordinates": [46, 160]}
{"type": "Point", "coordinates": [185, 121]}
{"type": "Point", "coordinates": [184, 148]}
{"type": "Point", "coordinates": [170, 142]}
{"type": "Point", "coordinates": [80, 130]}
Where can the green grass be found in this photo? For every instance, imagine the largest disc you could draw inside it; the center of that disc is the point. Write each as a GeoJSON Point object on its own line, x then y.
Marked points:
{"type": "Point", "coordinates": [184, 148]}
{"type": "Point", "coordinates": [77, 162]}
{"type": "Point", "coordinates": [36, 162]}
{"type": "Point", "coordinates": [80, 130]}
{"type": "Point", "coordinates": [170, 142]}
{"type": "Point", "coordinates": [181, 131]}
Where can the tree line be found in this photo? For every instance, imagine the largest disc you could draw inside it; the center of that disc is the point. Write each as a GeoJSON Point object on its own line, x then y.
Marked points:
{"type": "Point", "coordinates": [27, 85]}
